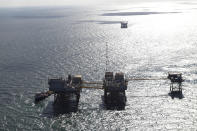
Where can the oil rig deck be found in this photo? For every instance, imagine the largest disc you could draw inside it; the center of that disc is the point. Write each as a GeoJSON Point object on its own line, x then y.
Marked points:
{"type": "Point", "coordinates": [114, 89]}
{"type": "Point", "coordinates": [65, 90]}
{"type": "Point", "coordinates": [176, 84]}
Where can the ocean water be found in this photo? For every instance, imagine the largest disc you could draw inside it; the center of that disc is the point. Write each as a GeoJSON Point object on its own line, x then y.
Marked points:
{"type": "Point", "coordinates": [38, 43]}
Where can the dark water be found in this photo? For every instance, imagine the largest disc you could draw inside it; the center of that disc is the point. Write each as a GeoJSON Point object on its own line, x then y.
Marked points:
{"type": "Point", "coordinates": [37, 43]}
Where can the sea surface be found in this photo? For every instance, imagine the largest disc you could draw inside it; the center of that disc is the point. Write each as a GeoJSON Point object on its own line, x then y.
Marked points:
{"type": "Point", "coordinates": [37, 43]}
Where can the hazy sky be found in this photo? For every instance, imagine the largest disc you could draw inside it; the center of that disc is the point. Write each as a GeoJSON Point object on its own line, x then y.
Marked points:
{"type": "Point", "coordinates": [65, 2]}
{"type": "Point", "coordinates": [72, 2]}
{"type": "Point", "coordinates": [54, 2]}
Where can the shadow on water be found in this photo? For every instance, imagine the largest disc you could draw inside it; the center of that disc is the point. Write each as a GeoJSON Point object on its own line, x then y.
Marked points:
{"type": "Point", "coordinates": [176, 94]}
{"type": "Point", "coordinates": [99, 22]}
{"type": "Point", "coordinates": [53, 109]}
{"type": "Point", "coordinates": [135, 13]}
{"type": "Point", "coordinates": [115, 105]}
{"type": "Point", "coordinates": [127, 8]}
{"type": "Point", "coordinates": [38, 17]}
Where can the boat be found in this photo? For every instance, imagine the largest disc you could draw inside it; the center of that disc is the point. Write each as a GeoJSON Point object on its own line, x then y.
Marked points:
{"type": "Point", "coordinates": [42, 95]}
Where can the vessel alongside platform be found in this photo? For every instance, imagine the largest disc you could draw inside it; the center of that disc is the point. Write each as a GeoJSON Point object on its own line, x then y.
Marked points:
{"type": "Point", "coordinates": [42, 96]}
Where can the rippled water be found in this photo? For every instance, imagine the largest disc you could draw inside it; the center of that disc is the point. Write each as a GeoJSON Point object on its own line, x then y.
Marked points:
{"type": "Point", "coordinates": [37, 43]}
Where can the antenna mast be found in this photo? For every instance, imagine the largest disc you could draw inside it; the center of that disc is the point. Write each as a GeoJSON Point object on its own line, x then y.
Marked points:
{"type": "Point", "coordinates": [106, 57]}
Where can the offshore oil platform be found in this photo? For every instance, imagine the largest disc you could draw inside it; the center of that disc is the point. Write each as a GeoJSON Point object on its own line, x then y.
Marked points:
{"type": "Point", "coordinates": [114, 87]}
{"type": "Point", "coordinates": [64, 89]}
{"type": "Point", "coordinates": [124, 24]}
{"type": "Point", "coordinates": [176, 84]}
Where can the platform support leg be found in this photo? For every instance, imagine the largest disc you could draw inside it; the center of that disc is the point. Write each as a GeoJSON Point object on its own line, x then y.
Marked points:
{"type": "Point", "coordinates": [78, 97]}
{"type": "Point", "coordinates": [105, 96]}
{"type": "Point", "coordinates": [55, 98]}
{"type": "Point", "coordinates": [180, 88]}
{"type": "Point", "coordinates": [171, 87]}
